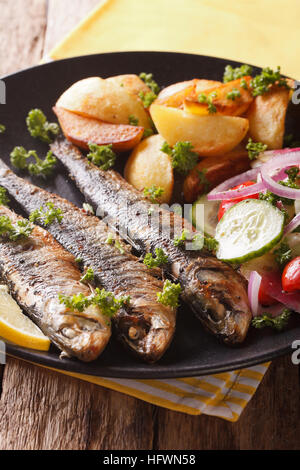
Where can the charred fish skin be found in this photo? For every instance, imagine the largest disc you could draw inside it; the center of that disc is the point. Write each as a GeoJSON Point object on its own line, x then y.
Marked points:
{"type": "Point", "coordinates": [213, 289]}
{"type": "Point", "coordinates": [37, 269]}
{"type": "Point", "coordinates": [145, 326]}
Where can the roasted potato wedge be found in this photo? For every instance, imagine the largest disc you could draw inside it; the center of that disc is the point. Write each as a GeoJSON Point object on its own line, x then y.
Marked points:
{"type": "Point", "coordinates": [104, 100]}
{"type": "Point", "coordinates": [214, 170]}
{"type": "Point", "coordinates": [223, 104]}
{"type": "Point", "coordinates": [211, 135]}
{"type": "Point", "coordinates": [148, 165]}
{"type": "Point", "coordinates": [132, 83]}
{"type": "Point", "coordinates": [174, 95]}
{"type": "Point", "coordinates": [266, 117]}
{"type": "Point", "coordinates": [81, 130]}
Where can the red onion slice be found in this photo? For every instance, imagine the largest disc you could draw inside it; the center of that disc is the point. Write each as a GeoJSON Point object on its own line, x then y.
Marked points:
{"type": "Point", "coordinates": [291, 301]}
{"type": "Point", "coordinates": [276, 163]}
{"type": "Point", "coordinates": [222, 191]}
{"type": "Point", "coordinates": [294, 223]}
{"type": "Point", "coordinates": [253, 291]}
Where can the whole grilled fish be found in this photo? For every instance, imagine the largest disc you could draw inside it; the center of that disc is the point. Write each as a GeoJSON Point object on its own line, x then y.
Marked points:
{"type": "Point", "coordinates": [214, 290]}
{"type": "Point", "coordinates": [146, 326]}
{"type": "Point", "coordinates": [37, 269]}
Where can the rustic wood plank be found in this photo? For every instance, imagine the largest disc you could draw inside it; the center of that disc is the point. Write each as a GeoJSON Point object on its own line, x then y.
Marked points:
{"type": "Point", "coordinates": [63, 16]}
{"type": "Point", "coordinates": [22, 30]}
{"type": "Point", "coordinates": [270, 421]}
{"type": "Point", "coordinates": [41, 409]}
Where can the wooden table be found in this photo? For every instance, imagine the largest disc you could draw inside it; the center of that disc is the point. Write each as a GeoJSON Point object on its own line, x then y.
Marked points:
{"type": "Point", "coordinates": [46, 410]}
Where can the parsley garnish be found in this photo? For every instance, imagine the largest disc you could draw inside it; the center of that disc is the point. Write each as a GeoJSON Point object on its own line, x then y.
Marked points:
{"type": "Point", "coordinates": [278, 323]}
{"type": "Point", "coordinates": [233, 94]}
{"type": "Point", "coordinates": [154, 193]}
{"type": "Point", "coordinates": [208, 99]}
{"type": "Point", "coordinates": [4, 200]}
{"type": "Point", "coordinates": [46, 217]}
{"type": "Point", "coordinates": [21, 229]}
{"type": "Point", "coordinates": [255, 148]}
{"type": "Point", "coordinates": [19, 156]}
{"type": "Point", "coordinates": [183, 158]}
{"type": "Point", "coordinates": [113, 241]}
{"type": "Point", "coordinates": [78, 260]}
{"type": "Point", "coordinates": [210, 243]}
{"type": "Point", "coordinates": [170, 294]}
{"type": "Point", "coordinates": [231, 73]}
{"type": "Point", "coordinates": [148, 79]}
{"type": "Point", "coordinates": [147, 98]}
{"type": "Point", "coordinates": [147, 133]}
{"type": "Point", "coordinates": [88, 276]}
{"type": "Point", "coordinates": [283, 254]}
{"type": "Point", "coordinates": [133, 121]}
{"type": "Point", "coordinates": [179, 241]}
{"type": "Point", "coordinates": [160, 259]}
{"type": "Point", "coordinates": [2, 128]}
{"type": "Point", "coordinates": [39, 127]}
{"type": "Point", "coordinates": [244, 84]}
{"type": "Point", "coordinates": [102, 156]}
{"type": "Point", "coordinates": [261, 83]}
{"type": "Point", "coordinates": [106, 301]}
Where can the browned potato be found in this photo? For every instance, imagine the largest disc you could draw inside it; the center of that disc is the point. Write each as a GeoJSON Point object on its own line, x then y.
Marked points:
{"type": "Point", "coordinates": [211, 135]}
{"type": "Point", "coordinates": [81, 130]}
{"type": "Point", "coordinates": [174, 95]}
{"type": "Point", "coordinates": [266, 117]}
{"type": "Point", "coordinates": [103, 100]}
{"type": "Point", "coordinates": [148, 165]}
{"type": "Point", "coordinates": [215, 170]}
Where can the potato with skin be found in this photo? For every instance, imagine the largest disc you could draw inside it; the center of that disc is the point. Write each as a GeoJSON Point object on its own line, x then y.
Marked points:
{"type": "Point", "coordinates": [215, 170]}
{"type": "Point", "coordinates": [148, 165]}
{"type": "Point", "coordinates": [174, 95]}
{"type": "Point", "coordinates": [104, 100]}
{"type": "Point", "coordinates": [81, 130]}
{"type": "Point", "coordinates": [211, 135]}
{"type": "Point", "coordinates": [266, 117]}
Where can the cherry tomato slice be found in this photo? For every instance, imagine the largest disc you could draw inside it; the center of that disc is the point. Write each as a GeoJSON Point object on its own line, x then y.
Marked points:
{"type": "Point", "coordinates": [227, 203]}
{"type": "Point", "coordinates": [291, 276]}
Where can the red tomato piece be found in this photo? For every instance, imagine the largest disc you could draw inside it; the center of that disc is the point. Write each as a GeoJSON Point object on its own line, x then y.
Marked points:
{"type": "Point", "coordinates": [291, 276]}
{"type": "Point", "coordinates": [227, 203]}
{"type": "Point", "coordinates": [263, 297]}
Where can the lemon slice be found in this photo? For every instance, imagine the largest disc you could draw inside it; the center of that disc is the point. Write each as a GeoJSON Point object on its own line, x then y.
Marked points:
{"type": "Point", "coordinates": [16, 327]}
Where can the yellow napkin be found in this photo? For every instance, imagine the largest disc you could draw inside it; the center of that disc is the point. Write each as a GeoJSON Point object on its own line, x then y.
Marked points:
{"type": "Point", "coordinates": [260, 32]}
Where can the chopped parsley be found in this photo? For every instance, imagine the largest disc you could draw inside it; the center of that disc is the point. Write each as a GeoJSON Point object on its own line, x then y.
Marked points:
{"type": "Point", "coordinates": [19, 156]}
{"type": "Point", "coordinates": [78, 260]}
{"type": "Point", "coordinates": [39, 127]}
{"type": "Point", "coordinates": [46, 217]}
{"type": "Point", "coordinates": [4, 200]}
{"type": "Point", "coordinates": [102, 156]}
{"type": "Point", "coordinates": [106, 301]}
{"type": "Point", "coordinates": [147, 133]}
{"type": "Point", "coordinates": [20, 230]}
{"type": "Point", "coordinates": [255, 148]}
{"type": "Point", "coordinates": [231, 73]}
{"type": "Point", "coordinates": [183, 158]}
{"type": "Point", "coordinates": [210, 243]}
{"type": "Point", "coordinates": [283, 254]}
{"type": "Point", "coordinates": [244, 84]}
{"type": "Point", "coordinates": [233, 94]}
{"type": "Point", "coordinates": [2, 128]}
{"type": "Point", "coordinates": [147, 98]}
{"type": "Point", "coordinates": [88, 276]}
{"type": "Point", "coordinates": [261, 83]}
{"type": "Point", "coordinates": [208, 99]}
{"type": "Point", "coordinates": [170, 294]}
{"type": "Point", "coordinates": [133, 121]}
{"type": "Point", "coordinates": [278, 323]}
{"type": "Point", "coordinates": [148, 79]}
{"type": "Point", "coordinates": [154, 193]}
{"type": "Point", "coordinates": [88, 208]}
{"type": "Point", "coordinates": [160, 259]}
{"type": "Point", "coordinates": [179, 241]}
{"type": "Point", "coordinates": [113, 241]}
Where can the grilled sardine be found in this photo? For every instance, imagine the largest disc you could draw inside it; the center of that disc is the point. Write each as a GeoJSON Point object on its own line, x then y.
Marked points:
{"type": "Point", "coordinates": [213, 289]}
{"type": "Point", "coordinates": [37, 269]}
{"type": "Point", "coordinates": [145, 325]}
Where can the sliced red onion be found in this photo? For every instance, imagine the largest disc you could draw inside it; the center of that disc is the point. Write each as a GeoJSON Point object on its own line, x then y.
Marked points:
{"type": "Point", "coordinates": [291, 300]}
{"type": "Point", "coordinates": [253, 291]}
{"type": "Point", "coordinates": [294, 223]}
{"type": "Point", "coordinates": [222, 191]}
{"type": "Point", "coordinates": [276, 163]}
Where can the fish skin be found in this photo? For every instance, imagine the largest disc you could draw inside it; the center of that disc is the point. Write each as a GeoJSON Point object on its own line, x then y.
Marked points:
{"type": "Point", "coordinates": [145, 326]}
{"type": "Point", "coordinates": [213, 289]}
{"type": "Point", "coordinates": [37, 269]}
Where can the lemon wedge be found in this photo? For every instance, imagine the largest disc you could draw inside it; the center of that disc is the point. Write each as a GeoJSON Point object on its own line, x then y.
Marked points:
{"type": "Point", "coordinates": [16, 327]}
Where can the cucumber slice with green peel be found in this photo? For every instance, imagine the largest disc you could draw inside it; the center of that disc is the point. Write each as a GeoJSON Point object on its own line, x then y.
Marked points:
{"type": "Point", "coordinates": [204, 215]}
{"type": "Point", "coordinates": [248, 229]}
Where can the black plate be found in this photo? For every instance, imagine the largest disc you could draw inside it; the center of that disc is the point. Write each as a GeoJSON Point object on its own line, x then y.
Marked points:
{"type": "Point", "coordinates": [193, 351]}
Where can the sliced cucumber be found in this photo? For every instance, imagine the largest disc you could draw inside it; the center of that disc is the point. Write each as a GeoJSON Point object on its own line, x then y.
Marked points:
{"type": "Point", "coordinates": [248, 230]}
{"type": "Point", "coordinates": [205, 215]}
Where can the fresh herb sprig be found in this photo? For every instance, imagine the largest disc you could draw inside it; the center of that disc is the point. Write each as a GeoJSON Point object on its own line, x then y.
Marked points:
{"type": "Point", "coordinates": [102, 156]}
{"type": "Point", "coordinates": [15, 231]}
{"type": "Point", "coordinates": [278, 323]}
{"type": "Point", "coordinates": [4, 200]}
{"type": "Point", "coordinates": [114, 241]}
{"type": "Point", "coordinates": [159, 260]}
{"type": "Point", "coordinates": [255, 148]}
{"type": "Point", "coordinates": [44, 168]}
{"type": "Point", "coordinates": [88, 276]}
{"type": "Point", "coordinates": [262, 83]}
{"type": "Point", "coordinates": [148, 79]}
{"type": "Point", "coordinates": [153, 193]}
{"type": "Point", "coordinates": [39, 127]}
{"type": "Point", "coordinates": [133, 121]}
{"type": "Point", "coordinates": [231, 73]}
{"type": "Point", "coordinates": [233, 94]}
{"type": "Point", "coordinates": [147, 98]}
{"type": "Point", "coordinates": [182, 155]}
{"type": "Point", "coordinates": [283, 254]}
{"type": "Point", "coordinates": [170, 294]}
{"type": "Point", "coordinates": [46, 216]}
{"type": "Point", "coordinates": [208, 99]}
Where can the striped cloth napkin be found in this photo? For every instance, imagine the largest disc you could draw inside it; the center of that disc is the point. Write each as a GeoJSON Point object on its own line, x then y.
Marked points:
{"type": "Point", "coordinates": [239, 31]}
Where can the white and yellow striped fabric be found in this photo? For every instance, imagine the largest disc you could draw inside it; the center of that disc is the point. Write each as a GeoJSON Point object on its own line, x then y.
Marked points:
{"type": "Point", "coordinates": [236, 30]}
